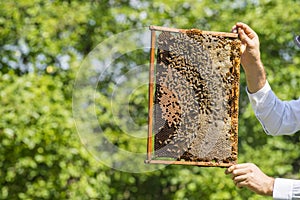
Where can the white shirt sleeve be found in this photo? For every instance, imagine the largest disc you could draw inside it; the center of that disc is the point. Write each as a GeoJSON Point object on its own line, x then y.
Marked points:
{"type": "Point", "coordinates": [277, 117]}
{"type": "Point", "coordinates": [286, 189]}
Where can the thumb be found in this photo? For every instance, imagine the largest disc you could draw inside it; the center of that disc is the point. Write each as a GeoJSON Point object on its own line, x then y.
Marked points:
{"type": "Point", "coordinates": [229, 170]}
{"type": "Point", "coordinates": [244, 38]}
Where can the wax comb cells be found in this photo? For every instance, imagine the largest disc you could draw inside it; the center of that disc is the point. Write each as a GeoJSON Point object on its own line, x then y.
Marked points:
{"type": "Point", "coordinates": [196, 97]}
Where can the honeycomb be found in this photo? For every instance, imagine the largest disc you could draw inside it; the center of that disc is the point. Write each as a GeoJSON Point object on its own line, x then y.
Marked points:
{"type": "Point", "coordinates": [196, 97]}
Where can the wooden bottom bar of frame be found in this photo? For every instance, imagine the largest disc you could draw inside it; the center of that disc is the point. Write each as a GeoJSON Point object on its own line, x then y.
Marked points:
{"type": "Point", "coordinates": [202, 164]}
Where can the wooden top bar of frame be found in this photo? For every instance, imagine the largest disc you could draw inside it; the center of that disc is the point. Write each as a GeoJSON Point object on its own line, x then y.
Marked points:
{"type": "Point", "coordinates": [176, 30]}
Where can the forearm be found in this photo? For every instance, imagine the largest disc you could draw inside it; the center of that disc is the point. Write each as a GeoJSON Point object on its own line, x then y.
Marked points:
{"type": "Point", "coordinates": [250, 58]}
{"type": "Point", "coordinates": [255, 77]}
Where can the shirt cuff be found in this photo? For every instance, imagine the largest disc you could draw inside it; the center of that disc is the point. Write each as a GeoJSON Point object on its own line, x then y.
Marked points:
{"type": "Point", "coordinates": [259, 96]}
{"type": "Point", "coordinates": [283, 189]}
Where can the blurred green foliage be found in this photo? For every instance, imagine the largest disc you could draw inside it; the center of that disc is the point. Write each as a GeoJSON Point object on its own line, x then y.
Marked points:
{"type": "Point", "coordinates": [43, 43]}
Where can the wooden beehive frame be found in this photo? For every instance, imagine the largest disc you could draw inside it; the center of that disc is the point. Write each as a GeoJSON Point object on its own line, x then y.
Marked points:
{"type": "Point", "coordinates": [151, 158]}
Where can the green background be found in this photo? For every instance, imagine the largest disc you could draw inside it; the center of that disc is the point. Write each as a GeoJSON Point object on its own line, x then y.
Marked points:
{"type": "Point", "coordinates": [42, 44]}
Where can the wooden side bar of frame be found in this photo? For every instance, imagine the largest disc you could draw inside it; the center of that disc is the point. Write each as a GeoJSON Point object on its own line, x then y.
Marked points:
{"type": "Point", "coordinates": [151, 86]}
